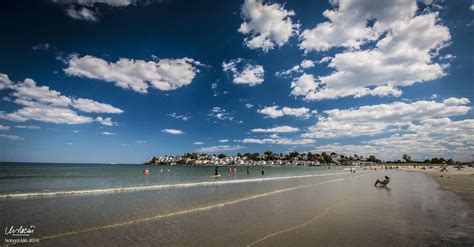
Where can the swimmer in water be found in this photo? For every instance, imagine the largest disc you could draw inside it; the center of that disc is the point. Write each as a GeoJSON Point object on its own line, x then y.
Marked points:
{"type": "Point", "coordinates": [146, 172]}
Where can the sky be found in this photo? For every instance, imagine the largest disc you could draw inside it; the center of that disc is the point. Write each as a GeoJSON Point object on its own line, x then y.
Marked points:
{"type": "Point", "coordinates": [121, 81]}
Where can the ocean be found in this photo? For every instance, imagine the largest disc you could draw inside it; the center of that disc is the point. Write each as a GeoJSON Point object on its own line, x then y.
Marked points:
{"type": "Point", "coordinates": [115, 205]}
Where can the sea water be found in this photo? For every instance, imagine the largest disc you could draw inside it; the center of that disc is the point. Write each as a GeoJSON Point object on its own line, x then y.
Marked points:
{"type": "Point", "coordinates": [289, 206]}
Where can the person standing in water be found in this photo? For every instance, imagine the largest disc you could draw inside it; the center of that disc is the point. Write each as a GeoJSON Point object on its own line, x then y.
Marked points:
{"type": "Point", "coordinates": [146, 172]}
{"type": "Point", "coordinates": [248, 170]}
{"type": "Point", "coordinates": [235, 171]}
{"type": "Point", "coordinates": [263, 170]}
{"type": "Point", "coordinates": [216, 171]}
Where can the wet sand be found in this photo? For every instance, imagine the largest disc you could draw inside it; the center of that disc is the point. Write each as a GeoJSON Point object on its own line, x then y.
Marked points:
{"type": "Point", "coordinates": [460, 182]}
{"type": "Point", "coordinates": [342, 210]}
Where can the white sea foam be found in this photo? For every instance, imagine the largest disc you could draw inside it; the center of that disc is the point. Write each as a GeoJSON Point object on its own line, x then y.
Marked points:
{"type": "Point", "coordinates": [158, 187]}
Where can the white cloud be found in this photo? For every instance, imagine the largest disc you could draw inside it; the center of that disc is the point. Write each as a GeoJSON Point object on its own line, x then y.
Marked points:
{"type": "Point", "coordinates": [266, 24]}
{"type": "Point", "coordinates": [41, 103]}
{"type": "Point", "coordinates": [440, 137]}
{"type": "Point", "coordinates": [303, 85]}
{"type": "Point", "coordinates": [3, 127]}
{"type": "Point", "coordinates": [31, 127]}
{"type": "Point", "coordinates": [41, 47]}
{"type": "Point", "coordinates": [278, 141]}
{"type": "Point", "coordinates": [472, 7]}
{"type": "Point", "coordinates": [376, 119]}
{"type": "Point", "coordinates": [220, 114]}
{"type": "Point", "coordinates": [75, 131]}
{"type": "Point", "coordinates": [11, 137]}
{"type": "Point", "coordinates": [5, 81]}
{"type": "Point", "coordinates": [184, 117]}
{"type": "Point", "coordinates": [276, 112]}
{"type": "Point", "coordinates": [68, 143]}
{"type": "Point", "coordinates": [219, 148]}
{"type": "Point", "coordinates": [108, 133]}
{"type": "Point", "coordinates": [106, 121]}
{"type": "Point", "coordinates": [138, 75]}
{"type": "Point", "coordinates": [87, 105]}
{"type": "Point", "coordinates": [404, 53]}
{"type": "Point", "coordinates": [305, 64]}
{"type": "Point", "coordinates": [29, 94]}
{"type": "Point", "coordinates": [46, 114]}
{"type": "Point", "coordinates": [348, 23]}
{"type": "Point", "coordinates": [244, 72]}
{"type": "Point", "coordinates": [87, 10]}
{"type": "Point", "coordinates": [224, 140]}
{"type": "Point", "coordinates": [140, 142]}
{"type": "Point", "coordinates": [248, 106]}
{"type": "Point", "coordinates": [172, 131]}
{"type": "Point", "coordinates": [198, 143]}
{"type": "Point", "coordinates": [297, 69]}
{"type": "Point", "coordinates": [278, 129]}
{"type": "Point", "coordinates": [82, 13]}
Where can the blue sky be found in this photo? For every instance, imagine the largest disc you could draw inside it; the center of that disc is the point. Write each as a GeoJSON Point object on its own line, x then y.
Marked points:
{"type": "Point", "coordinates": [119, 81]}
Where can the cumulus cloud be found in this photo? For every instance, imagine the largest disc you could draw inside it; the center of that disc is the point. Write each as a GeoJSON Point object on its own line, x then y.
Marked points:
{"type": "Point", "coordinates": [278, 129]}
{"type": "Point", "coordinates": [266, 25]}
{"type": "Point", "coordinates": [138, 75]}
{"type": "Point", "coordinates": [297, 69]}
{"type": "Point", "coordinates": [376, 119]}
{"type": "Point", "coordinates": [303, 85]}
{"type": "Point", "coordinates": [219, 148]}
{"type": "Point", "coordinates": [41, 103]}
{"type": "Point", "coordinates": [404, 53]}
{"type": "Point", "coordinates": [46, 114]}
{"type": "Point", "coordinates": [244, 72]}
{"type": "Point", "coordinates": [347, 24]}
{"type": "Point", "coordinates": [276, 112]}
{"type": "Point", "coordinates": [172, 131]}
{"type": "Point", "coordinates": [106, 121]}
{"type": "Point", "coordinates": [87, 105]}
{"type": "Point", "coordinates": [438, 137]}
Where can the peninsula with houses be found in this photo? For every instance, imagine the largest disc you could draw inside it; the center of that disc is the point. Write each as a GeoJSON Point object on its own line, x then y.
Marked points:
{"type": "Point", "coordinates": [269, 158]}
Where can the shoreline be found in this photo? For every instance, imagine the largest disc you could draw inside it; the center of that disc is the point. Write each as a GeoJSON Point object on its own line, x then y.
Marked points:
{"type": "Point", "coordinates": [460, 182]}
